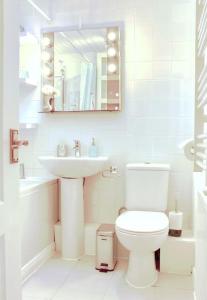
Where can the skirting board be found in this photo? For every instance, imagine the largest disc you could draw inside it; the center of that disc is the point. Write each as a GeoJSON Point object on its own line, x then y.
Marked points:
{"type": "Point", "coordinates": [34, 264]}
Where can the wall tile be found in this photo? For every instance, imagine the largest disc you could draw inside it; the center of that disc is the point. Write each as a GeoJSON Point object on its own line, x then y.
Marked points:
{"type": "Point", "coordinates": [158, 102]}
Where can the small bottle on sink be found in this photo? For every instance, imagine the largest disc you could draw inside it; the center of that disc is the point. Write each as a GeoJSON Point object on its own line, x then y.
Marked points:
{"type": "Point", "coordinates": [93, 149]}
{"type": "Point", "coordinates": [62, 150]}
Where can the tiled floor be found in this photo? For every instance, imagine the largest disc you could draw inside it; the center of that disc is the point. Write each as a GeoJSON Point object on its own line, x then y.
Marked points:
{"type": "Point", "coordinates": [63, 280]}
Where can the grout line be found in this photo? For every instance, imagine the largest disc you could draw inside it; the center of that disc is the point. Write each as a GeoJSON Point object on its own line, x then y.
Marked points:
{"type": "Point", "coordinates": [63, 282]}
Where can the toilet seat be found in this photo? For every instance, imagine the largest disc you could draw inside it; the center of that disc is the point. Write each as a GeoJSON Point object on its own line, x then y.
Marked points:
{"type": "Point", "coordinates": [142, 222]}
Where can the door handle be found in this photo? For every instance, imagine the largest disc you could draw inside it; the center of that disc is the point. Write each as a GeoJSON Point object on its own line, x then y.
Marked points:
{"type": "Point", "coordinates": [15, 144]}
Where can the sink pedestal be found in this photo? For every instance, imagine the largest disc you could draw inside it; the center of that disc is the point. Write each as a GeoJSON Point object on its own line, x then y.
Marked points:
{"type": "Point", "coordinates": [72, 218]}
{"type": "Point", "coordinates": [72, 170]}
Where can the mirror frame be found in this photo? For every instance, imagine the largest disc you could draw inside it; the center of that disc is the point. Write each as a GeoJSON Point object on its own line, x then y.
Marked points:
{"type": "Point", "coordinates": [47, 82]}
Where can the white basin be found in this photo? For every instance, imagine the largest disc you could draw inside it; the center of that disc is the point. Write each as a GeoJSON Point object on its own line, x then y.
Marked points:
{"type": "Point", "coordinates": [74, 167]}
{"type": "Point", "coordinates": [72, 170]}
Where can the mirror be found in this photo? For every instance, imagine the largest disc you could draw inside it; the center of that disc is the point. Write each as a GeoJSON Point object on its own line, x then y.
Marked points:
{"type": "Point", "coordinates": [81, 70]}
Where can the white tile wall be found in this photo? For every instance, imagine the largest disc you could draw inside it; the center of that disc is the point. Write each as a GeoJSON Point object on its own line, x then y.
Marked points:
{"type": "Point", "coordinates": [200, 230]}
{"type": "Point", "coordinates": [158, 81]}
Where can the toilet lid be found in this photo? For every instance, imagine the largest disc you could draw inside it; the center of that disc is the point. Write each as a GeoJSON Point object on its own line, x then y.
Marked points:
{"type": "Point", "coordinates": [142, 221]}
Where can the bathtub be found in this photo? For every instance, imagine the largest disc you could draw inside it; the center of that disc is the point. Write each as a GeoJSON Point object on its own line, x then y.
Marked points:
{"type": "Point", "coordinates": [31, 183]}
{"type": "Point", "coordinates": [39, 213]}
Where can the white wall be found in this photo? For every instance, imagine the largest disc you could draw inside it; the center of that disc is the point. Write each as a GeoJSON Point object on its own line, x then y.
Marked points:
{"type": "Point", "coordinates": [200, 231]}
{"type": "Point", "coordinates": [158, 98]}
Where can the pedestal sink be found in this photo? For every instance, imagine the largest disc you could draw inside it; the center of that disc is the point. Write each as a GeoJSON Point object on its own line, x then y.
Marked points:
{"type": "Point", "coordinates": [71, 171]}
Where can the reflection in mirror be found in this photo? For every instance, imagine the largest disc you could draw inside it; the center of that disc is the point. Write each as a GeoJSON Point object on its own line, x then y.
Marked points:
{"type": "Point", "coordinates": [81, 70]}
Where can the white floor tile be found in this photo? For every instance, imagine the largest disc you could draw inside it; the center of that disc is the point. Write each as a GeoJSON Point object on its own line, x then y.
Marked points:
{"type": "Point", "coordinates": [172, 281]}
{"type": "Point", "coordinates": [86, 278]}
{"type": "Point", "coordinates": [170, 294]}
{"type": "Point", "coordinates": [119, 289]}
{"type": "Point", "coordinates": [33, 298]}
{"type": "Point", "coordinates": [63, 280]}
{"type": "Point", "coordinates": [79, 295]}
{"type": "Point", "coordinates": [45, 282]}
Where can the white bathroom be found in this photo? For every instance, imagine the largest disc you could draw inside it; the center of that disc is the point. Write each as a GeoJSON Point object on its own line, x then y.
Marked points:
{"type": "Point", "coordinates": [103, 186]}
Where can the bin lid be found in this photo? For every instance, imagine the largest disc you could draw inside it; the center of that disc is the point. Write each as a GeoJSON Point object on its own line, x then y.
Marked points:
{"type": "Point", "coordinates": [106, 229]}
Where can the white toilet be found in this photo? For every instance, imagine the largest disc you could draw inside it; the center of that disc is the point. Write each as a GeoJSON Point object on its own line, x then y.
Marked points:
{"type": "Point", "coordinates": [144, 226]}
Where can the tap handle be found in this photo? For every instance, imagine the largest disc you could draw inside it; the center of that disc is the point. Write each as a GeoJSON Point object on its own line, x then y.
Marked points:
{"type": "Point", "coordinates": [77, 143]}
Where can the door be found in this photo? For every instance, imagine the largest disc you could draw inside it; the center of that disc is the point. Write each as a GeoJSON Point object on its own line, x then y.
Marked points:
{"type": "Point", "coordinates": [9, 189]}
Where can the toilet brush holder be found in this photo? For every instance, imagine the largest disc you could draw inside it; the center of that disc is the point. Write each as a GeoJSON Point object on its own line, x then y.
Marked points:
{"type": "Point", "coordinates": [175, 223]}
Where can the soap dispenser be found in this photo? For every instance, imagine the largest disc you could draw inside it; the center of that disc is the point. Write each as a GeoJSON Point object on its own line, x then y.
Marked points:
{"type": "Point", "coordinates": [93, 149]}
{"type": "Point", "coordinates": [62, 150]}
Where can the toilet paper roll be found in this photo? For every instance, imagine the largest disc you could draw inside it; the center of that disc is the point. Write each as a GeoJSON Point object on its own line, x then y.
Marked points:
{"type": "Point", "coordinates": [175, 220]}
{"type": "Point", "coordinates": [188, 149]}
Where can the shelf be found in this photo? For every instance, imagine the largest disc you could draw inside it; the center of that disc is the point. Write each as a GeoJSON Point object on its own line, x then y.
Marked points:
{"type": "Point", "coordinates": [27, 82]}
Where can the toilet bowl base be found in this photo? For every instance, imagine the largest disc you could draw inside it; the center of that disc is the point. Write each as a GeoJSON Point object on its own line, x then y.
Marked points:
{"type": "Point", "coordinates": [141, 287]}
{"type": "Point", "coordinates": [141, 271]}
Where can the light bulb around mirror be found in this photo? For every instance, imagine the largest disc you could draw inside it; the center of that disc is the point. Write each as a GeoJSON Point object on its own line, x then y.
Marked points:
{"type": "Point", "coordinates": [111, 52]}
{"type": "Point", "coordinates": [111, 36]}
{"type": "Point", "coordinates": [112, 68]}
{"type": "Point", "coordinates": [47, 72]}
{"type": "Point", "coordinates": [48, 90]}
{"type": "Point", "coordinates": [46, 42]}
{"type": "Point", "coordinates": [46, 56]}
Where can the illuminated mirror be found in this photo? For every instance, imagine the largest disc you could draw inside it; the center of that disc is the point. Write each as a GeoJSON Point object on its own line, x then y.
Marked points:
{"type": "Point", "coordinates": [81, 70]}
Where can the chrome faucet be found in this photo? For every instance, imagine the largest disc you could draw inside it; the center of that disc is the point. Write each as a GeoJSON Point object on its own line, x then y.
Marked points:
{"type": "Point", "coordinates": [76, 148]}
{"type": "Point", "coordinates": [21, 171]}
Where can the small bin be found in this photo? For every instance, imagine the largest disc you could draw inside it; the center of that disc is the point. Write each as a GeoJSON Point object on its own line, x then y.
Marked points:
{"type": "Point", "coordinates": [106, 248]}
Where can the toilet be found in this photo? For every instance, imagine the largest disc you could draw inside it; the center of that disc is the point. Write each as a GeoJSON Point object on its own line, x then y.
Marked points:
{"type": "Point", "coordinates": [143, 228]}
